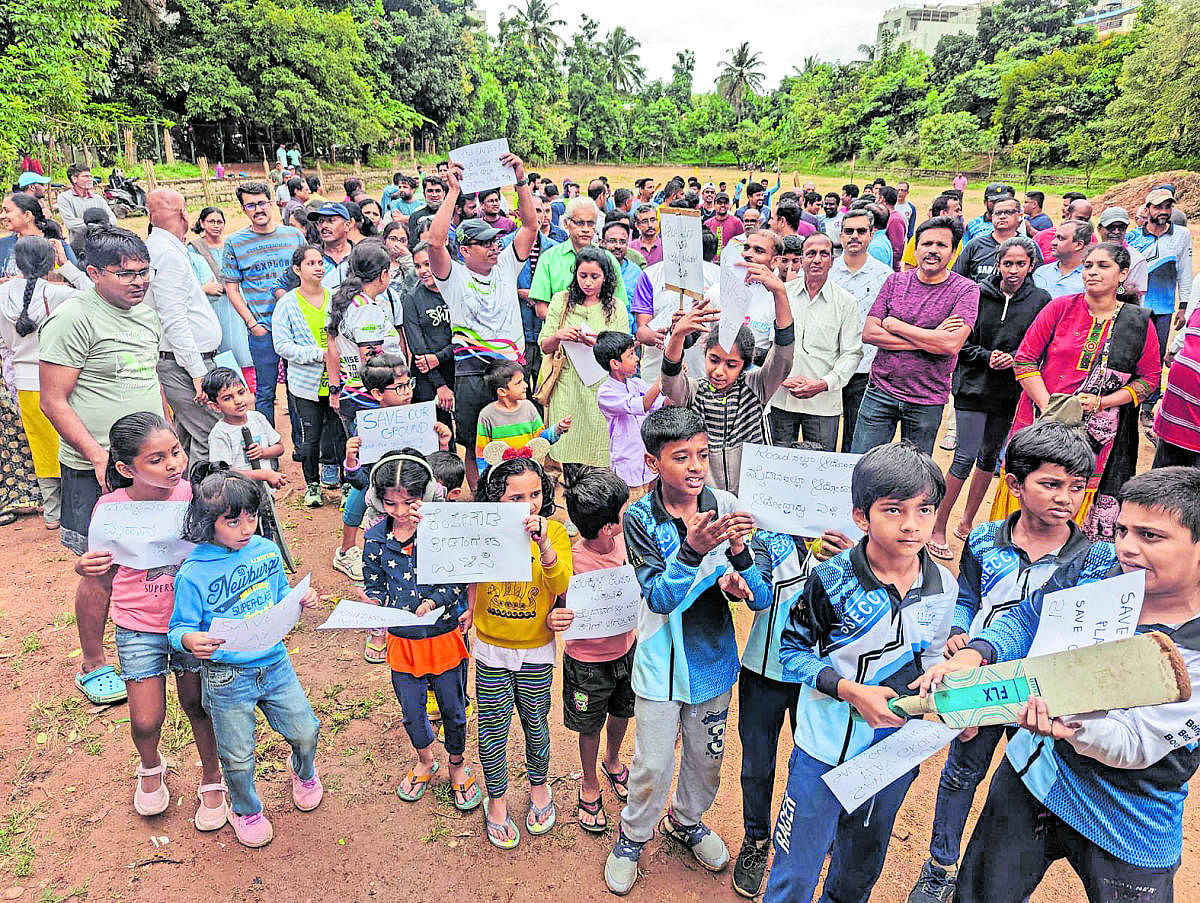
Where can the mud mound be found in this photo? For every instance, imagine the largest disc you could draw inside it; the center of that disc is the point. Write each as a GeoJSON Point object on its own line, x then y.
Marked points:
{"type": "Point", "coordinates": [1132, 194]}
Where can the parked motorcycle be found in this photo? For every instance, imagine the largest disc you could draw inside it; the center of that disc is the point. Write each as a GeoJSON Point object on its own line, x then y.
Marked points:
{"type": "Point", "coordinates": [124, 195]}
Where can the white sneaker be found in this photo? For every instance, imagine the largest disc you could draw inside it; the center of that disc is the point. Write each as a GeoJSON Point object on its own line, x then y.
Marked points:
{"type": "Point", "coordinates": [349, 562]}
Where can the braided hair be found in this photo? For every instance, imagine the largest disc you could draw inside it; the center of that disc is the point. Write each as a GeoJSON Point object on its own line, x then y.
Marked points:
{"type": "Point", "coordinates": [34, 257]}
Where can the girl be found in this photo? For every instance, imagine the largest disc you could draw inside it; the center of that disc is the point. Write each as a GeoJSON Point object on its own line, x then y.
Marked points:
{"type": "Point", "coordinates": [514, 650]}
{"type": "Point", "coordinates": [372, 213]}
{"type": "Point", "coordinates": [24, 303]}
{"type": "Point", "coordinates": [146, 463]}
{"type": "Point", "coordinates": [205, 252]}
{"type": "Point", "coordinates": [235, 573]}
{"type": "Point", "coordinates": [298, 333]}
{"type": "Point", "coordinates": [395, 239]}
{"type": "Point", "coordinates": [426, 654]}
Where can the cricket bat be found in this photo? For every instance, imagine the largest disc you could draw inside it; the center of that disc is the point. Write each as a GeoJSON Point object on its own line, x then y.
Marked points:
{"type": "Point", "coordinates": [1145, 669]}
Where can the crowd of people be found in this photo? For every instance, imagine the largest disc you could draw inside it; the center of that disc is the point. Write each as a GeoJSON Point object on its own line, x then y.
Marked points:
{"type": "Point", "coordinates": [148, 370]}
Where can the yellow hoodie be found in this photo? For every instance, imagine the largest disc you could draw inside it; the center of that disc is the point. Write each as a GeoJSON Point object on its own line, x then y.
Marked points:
{"type": "Point", "coordinates": [513, 615]}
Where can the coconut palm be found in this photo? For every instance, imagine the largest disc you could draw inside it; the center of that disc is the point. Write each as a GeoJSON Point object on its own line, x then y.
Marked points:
{"type": "Point", "coordinates": [625, 72]}
{"type": "Point", "coordinates": [536, 20]}
{"type": "Point", "coordinates": [741, 74]}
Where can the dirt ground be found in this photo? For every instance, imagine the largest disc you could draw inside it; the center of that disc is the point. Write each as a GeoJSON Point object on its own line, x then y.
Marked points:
{"type": "Point", "coordinates": [67, 828]}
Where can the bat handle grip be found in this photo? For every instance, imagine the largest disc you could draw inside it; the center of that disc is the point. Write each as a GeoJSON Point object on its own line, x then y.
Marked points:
{"type": "Point", "coordinates": [912, 706]}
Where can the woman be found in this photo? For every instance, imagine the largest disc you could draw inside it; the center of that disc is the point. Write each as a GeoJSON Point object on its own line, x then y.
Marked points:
{"type": "Point", "coordinates": [373, 213]}
{"type": "Point", "coordinates": [985, 392]}
{"type": "Point", "coordinates": [395, 239]}
{"type": "Point", "coordinates": [579, 314]}
{"type": "Point", "coordinates": [25, 217]}
{"type": "Point", "coordinates": [1101, 348]}
{"type": "Point", "coordinates": [206, 254]}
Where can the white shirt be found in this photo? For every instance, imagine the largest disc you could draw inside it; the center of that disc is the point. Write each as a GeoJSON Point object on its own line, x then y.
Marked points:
{"type": "Point", "coordinates": [190, 327]}
{"type": "Point", "coordinates": [828, 346]}
{"type": "Point", "coordinates": [487, 305]}
{"type": "Point", "coordinates": [226, 446]}
{"type": "Point", "coordinates": [864, 284]}
{"type": "Point", "coordinates": [46, 297]}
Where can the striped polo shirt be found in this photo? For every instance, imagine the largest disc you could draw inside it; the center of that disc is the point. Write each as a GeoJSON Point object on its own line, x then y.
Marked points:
{"type": "Point", "coordinates": [256, 261]}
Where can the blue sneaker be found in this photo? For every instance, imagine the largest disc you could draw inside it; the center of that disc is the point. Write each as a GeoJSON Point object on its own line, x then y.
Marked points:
{"type": "Point", "coordinates": [621, 869]}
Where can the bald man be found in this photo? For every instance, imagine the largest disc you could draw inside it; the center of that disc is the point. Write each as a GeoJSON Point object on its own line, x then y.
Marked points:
{"type": "Point", "coordinates": [1080, 209]}
{"type": "Point", "coordinates": [191, 332]}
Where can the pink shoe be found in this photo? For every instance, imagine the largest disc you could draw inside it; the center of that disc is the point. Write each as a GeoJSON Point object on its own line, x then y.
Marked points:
{"type": "Point", "coordinates": [252, 830]}
{"type": "Point", "coordinates": [153, 802]}
{"type": "Point", "coordinates": [212, 819]}
{"type": "Point", "coordinates": [306, 795]}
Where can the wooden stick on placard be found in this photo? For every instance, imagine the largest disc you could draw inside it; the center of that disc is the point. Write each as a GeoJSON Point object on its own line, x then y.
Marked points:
{"type": "Point", "coordinates": [668, 285]}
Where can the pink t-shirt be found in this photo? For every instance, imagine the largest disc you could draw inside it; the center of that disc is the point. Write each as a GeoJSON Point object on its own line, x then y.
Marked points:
{"type": "Point", "coordinates": [143, 600]}
{"type": "Point", "coordinates": [600, 649]}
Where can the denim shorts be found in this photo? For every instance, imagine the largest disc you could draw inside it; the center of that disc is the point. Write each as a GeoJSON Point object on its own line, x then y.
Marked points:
{"type": "Point", "coordinates": [143, 655]}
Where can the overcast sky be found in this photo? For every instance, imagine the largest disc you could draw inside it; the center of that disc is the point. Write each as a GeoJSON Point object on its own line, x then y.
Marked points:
{"type": "Point", "coordinates": [782, 31]}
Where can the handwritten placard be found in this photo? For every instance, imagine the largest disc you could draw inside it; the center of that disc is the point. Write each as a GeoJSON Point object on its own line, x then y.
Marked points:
{"type": "Point", "coordinates": [857, 780]}
{"type": "Point", "coordinates": [352, 615]}
{"type": "Point", "coordinates": [736, 295]}
{"type": "Point", "coordinates": [391, 429]}
{"type": "Point", "coordinates": [796, 491]}
{"type": "Point", "coordinates": [605, 602]}
{"type": "Point", "coordinates": [683, 250]}
{"type": "Point", "coordinates": [1090, 613]}
{"type": "Point", "coordinates": [140, 535]}
{"type": "Point", "coordinates": [481, 166]}
{"type": "Point", "coordinates": [260, 632]}
{"type": "Point", "coordinates": [583, 359]}
{"type": "Point", "coordinates": [473, 543]}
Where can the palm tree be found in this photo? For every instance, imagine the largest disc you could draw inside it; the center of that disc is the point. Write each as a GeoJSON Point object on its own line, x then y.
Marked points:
{"type": "Point", "coordinates": [625, 72]}
{"type": "Point", "coordinates": [741, 74]}
{"type": "Point", "coordinates": [868, 52]}
{"type": "Point", "coordinates": [539, 26]}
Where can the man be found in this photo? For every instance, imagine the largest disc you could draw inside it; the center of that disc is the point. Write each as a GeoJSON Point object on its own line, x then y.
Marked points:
{"type": "Point", "coordinates": [295, 212]}
{"type": "Point", "coordinates": [646, 187]}
{"type": "Point", "coordinates": [623, 202]}
{"type": "Point", "coordinates": [98, 353]}
{"type": "Point", "coordinates": [648, 243]}
{"type": "Point", "coordinates": [787, 221]}
{"type": "Point", "coordinates": [756, 198]}
{"type": "Point", "coordinates": [1068, 198]}
{"type": "Point", "coordinates": [481, 293]}
{"type": "Point", "coordinates": [34, 184]}
{"type": "Point", "coordinates": [276, 175]}
{"type": "Point", "coordinates": [293, 157]}
{"type": "Point", "coordinates": [435, 192]}
{"type": "Point", "coordinates": [403, 203]}
{"type": "Point", "coordinates": [333, 229]}
{"type": "Point", "coordinates": [881, 244]}
{"type": "Point", "coordinates": [1178, 217]}
{"type": "Point", "coordinates": [556, 271]}
{"type": "Point", "coordinates": [920, 320]}
{"type": "Point", "coordinates": [849, 195]}
{"type": "Point", "coordinates": [597, 190]}
{"type": "Point", "coordinates": [282, 194]}
{"type": "Point", "coordinates": [530, 321]}
{"type": "Point", "coordinates": [828, 350]}
{"type": "Point", "coordinates": [316, 196]}
{"type": "Point", "coordinates": [442, 167]}
{"type": "Point", "coordinates": [1167, 248]}
{"type": "Point", "coordinates": [281, 156]}
{"type": "Point", "coordinates": [489, 211]}
{"type": "Point", "coordinates": [81, 197]}
{"type": "Point", "coordinates": [1035, 217]}
{"type": "Point", "coordinates": [897, 226]}
{"type": "Point", "coordinates": [708, 200]}
{"type": "Point", "coordinates": [980, 224]}
{"type": "Point", "coordinates": [1114, 224]}
{"type": "Point", "coordinates": [723, 224]}
{"type": "Point", "coordinates": [751, 217]}
{"type": "Point", "coordinates": [255, 258]}
{"type": "Point", "coordinates": [390, 191]}
{"type": "Point", "coordinates": [978, 258]}
{"type": "Point", "coordinates": [191, 331]}
{"type": "Point", "coordinates": [615, 239]}
{"type": "Point", "coordinates": [811, 211]}
{"type": "Point", "coordinates": [862, 276]}
{"type": "Point", "coordinates": [1076, 209]}
{"type": "Point", "coordinates": [1065, 275]}
{"type": "Point", "coordinates": [557, 207]}
{"type": "Point", "coordinates": [906, 209]}
{"type": "Point", "coordinates": [943, 205]}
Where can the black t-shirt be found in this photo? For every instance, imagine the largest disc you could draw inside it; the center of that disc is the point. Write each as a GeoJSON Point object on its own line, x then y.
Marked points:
{"type": "Point", "coordinates": [427, 328]}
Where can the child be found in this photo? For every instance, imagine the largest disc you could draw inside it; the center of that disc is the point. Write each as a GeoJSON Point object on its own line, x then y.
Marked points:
{"type": "Point", "coordinates": [869, 619]}
{"type": "Point", "coordinates": [1047, 467]}
{"type": "Point", "coordinates": [625, 400]}
{"type": "Point", "coordinates": [690, 547]}
{"type": "Point", "coordinates": [147, 464]}
{"type": "Point", "coordinates": [297, 330]}
{"type": "Point", "coordinates": [514, 650]}
{"type": "Point", "coordinates": [422, 654]}
{"type": "Point", "coordinates": [597, 672]}
{"type": "Point", "coordinates": [1107, 793]}
{"type": "Point", "coordinates": [227, 442]}
{"type": "Point", "coordinates": [233, 572]}
{"type": "Point", "coordinates": [450, 473]}
{"type": "Point", "coordinates": [511, 417]}
{"type": "Point", "coordinates": [731, 401]}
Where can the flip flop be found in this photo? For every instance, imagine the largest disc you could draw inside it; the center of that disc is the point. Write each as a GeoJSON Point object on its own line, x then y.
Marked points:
{"type": "Point", "coordinates": [507, 826]}
{"type": "Point", "coordinates": [594, 808]}
{"type": "Point", "coordinates": [473, 800]}
{"type": "Point", "coordinates": [533, 823]}
{"type": "Point", "coordinates": [960, 533]}
{"type": "Point", "coordinates": [375, 650]}
{"type": "Point", "coordinates": [939, 551]}
{"type": "Point", "coordinates": [103, 686]}
{"type": "Point", "coordinates": [619, 782]}
{"type": "Point", "coordinates": [418, 785]}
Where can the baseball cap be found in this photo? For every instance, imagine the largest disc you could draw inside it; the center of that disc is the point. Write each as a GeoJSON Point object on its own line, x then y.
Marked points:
{"type": "Point", "coordinates": [722, 196]}
{"type": "Point", "coordinates": [1160, 196]}
{"type": "Point", "coordinates": [31, 178]}
{"type": "Point", "coordinates": [474, 231]}
{"type": "Point", "coordinates": [329, 209]}
{"type": "Point", "coordinates": [1114, 215]}
{"type": "Point", "coordinates": [997, 190]}
{"type": "Point", "coordinates": [708, 185]}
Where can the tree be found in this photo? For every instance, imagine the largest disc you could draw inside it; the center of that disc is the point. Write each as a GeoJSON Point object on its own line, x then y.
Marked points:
{"type": "Point", "coordinates": [1029, 28]}
{"type": "Point", "coordinates": [741, 74]}
{"type": "Point", "coordinates": [540, 27]}
{"type": "Point", "coordinates": [948, 137]}
{"type": "Point", "coordinates": [1085, 147]}
{"type": "Point", "coordinates": [680, 88]}
{"type": "Point", "coordinates": [625, 72]}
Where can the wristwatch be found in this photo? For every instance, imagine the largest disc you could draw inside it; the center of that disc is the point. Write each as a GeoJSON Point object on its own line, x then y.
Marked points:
{"type": "Point", "coordinates": [520, 182]}
{"type": "Point", "coordinates": [335, 390]}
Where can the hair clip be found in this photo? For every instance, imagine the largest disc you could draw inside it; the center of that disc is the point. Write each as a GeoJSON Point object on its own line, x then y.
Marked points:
{"type": "Point", "coordinates": [498, 450]}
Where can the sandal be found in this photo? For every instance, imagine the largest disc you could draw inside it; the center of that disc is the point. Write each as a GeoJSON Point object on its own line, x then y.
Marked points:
{"type": "Point", "coordinates": [102, 686]}
{"type": "Point", "coordinates": [210, 818]}
{"type": "Point", "coordinates": [156, 801]}
{"type": "Point", "coordinates": [533, 819]}
{"type": "Point", "coordinates": [472, 795]}
{"type": "Point", "coordinates": [940, 551]}
{"type": "Point", "coordinates": [594, 808]}
{"type": "Point", "coordinates": [619, 782]}
{"type": "Point", "coordinates": [497, 833]}
{"type": "Point", "coordinates": [960, 533]}
{"type": "Point", "coordinates": [418, 785]}
{"type": "Point", "coordinates": [375, 650]}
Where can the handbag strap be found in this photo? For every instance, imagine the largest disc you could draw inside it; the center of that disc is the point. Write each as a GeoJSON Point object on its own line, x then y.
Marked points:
{"type": "Point", "coordinates": [1100, 362]}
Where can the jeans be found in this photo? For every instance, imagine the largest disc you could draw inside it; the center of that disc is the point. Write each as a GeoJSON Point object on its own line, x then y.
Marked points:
{"type": "Point", "coordinates": [881, 411]}
{"type": "Point", "coordinates": [317, 429]}
{"type": "Point", "coordinates": [965, 767]}
{"type": "Point", "coordinates": [762, 703]}
{"type": "Point", "coordinates": [812, 822]}
{"type": "Point", "coordinates": [786, 425]}
{"type": "Point", "coordinates": [266, 374]}
{"type": "Point", "coordinates": [230, 694]}
{"type": "Point", "coordinates": [852, 395]}
{"type": "Point", "coordinates": [356, 500]}
{"type": "Point", "coordinates": [1162, 327]}
{"type": "Point", "coordinates": [452, 703]}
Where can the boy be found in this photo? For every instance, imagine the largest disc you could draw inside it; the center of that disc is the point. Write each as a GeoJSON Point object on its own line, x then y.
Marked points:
{"type": "Point", "coordinates": [1047, 468]}
{"type": "Point", "coordinates": [690, 548]}
{"type": "Point", "coordinates": [1107, 794]}
{"type": "Point", "coordinates": [512, 417]}
{"type": "Point", "coordinates": [867, 622]}
{"type": "Point", "coordinates": [625, 400]}
{"type": "Point", "coordinates": [450, 473]}
{"type": "Point", "coordinates": [597, 673]}
{"type": "Point", "coordinates": [227, 442]}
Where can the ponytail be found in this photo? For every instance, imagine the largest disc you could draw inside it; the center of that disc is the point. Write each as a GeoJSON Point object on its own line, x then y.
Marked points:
{"type": "Point", "coordinates": [34, 257]}
{"type": "Point", "coordinates": [350, 287]}
{"type": "Point", "coordinates": [367, 260]}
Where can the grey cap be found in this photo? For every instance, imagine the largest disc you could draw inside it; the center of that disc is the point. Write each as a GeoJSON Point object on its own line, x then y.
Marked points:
{"type": "Point", "coordinates": [474, 231]}
{"type": "Point", "coordinates": [1114, 215]}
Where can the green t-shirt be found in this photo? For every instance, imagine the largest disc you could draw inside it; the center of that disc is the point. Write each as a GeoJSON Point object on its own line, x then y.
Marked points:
{"type": "Point", "coordinates": [116, 354]}
{"type": "Point", "coordinates": [315, 317]}
{"type": "Point", "coordinates": [556, 269]}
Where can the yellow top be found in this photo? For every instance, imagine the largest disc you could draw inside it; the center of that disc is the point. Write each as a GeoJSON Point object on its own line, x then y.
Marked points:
{"type": "Point", "coordinates": [513, 615]}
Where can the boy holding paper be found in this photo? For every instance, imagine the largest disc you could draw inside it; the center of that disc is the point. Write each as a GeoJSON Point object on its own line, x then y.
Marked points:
{"type": "Point", "coordinates": [1106, 793]}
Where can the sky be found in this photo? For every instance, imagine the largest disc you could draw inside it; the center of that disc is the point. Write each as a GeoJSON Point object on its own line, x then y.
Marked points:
{"type": "Point", "coordinates": [782, 31]}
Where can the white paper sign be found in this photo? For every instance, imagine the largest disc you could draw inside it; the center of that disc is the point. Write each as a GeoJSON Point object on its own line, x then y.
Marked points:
{"type": "Point", "coordinates": [263, 630]}
{"type": "Point", "coordinates": [140, 535]}
{"type": "Point", "coordinates": [683, 250]}
{"type": "Point", "coordinates": [481, 166]}
{"type": "Point", "coordinates": [226, 359]}
{"type": "Point", "coordinates": [796, 491]}
{"type": "Point", "coordinates": [583, 359]}
{"type": "Point", "coordinates": [391, 429]}
{"type": "Point", "coordinates": [856, 781]}
{"type": "Point", "coordinates": [736, 295]}
{"type": "Point", "coordinates": [606, 603]}
{"type": "Point", "coordinates": [1089, 614]}
{"type": "Point", "coordinates": [473, 543]}
{"type": "Point", "coordinates": [351, 615]}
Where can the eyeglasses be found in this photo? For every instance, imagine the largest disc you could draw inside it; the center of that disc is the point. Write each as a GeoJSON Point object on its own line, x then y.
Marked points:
{"type": "Point", "coordinates": [257, 205]}
{"type": "Point", "coordinates": [996, 213]}
{"type": "Point", "coordinates": [862, 230]}
{"type": "Point", "coordinates": [399, 387]}
{"type": "Point", "coordinates": [129, 277]}
{"type": "Point", "coordinates": [494, 243]}
{"type": "Point", "coordinates": [582, 223]}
